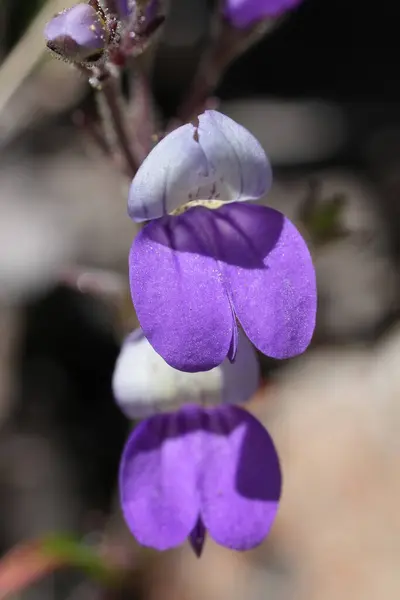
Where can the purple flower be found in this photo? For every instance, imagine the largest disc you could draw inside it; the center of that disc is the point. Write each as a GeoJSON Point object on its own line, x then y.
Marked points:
{"type": "Point", "coordinates": [200, 469]}
{"type": "Point", "coordinates": [78, 34]}
{"type": "Point", "coordinates": [194, 275]}
{"type": "Point", "coordinates": [143, 383]}
{"type": "Point", "coordinates": [244, 13]}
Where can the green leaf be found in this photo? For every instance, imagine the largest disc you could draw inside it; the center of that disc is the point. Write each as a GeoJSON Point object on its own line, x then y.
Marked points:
{"type": "Point", "coordinates": [72, 552]}
{"type": "Point", "coordinates": [323, 217]}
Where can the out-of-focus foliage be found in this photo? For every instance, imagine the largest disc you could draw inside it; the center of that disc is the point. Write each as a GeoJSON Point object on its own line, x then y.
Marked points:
{"type": "Point", "coordinates": [31, 561]}
{"type": "Point", "coordinates": [322, 220]}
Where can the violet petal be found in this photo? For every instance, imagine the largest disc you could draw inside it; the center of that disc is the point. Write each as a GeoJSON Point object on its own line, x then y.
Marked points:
{"type": "Point", "coordinates": [178, 292]}
{"type": "Point", "coordinates": [219, 159]}
{"type": "Point", "coordinates": [77, 33]}
{"type": "Point", "coordinates": [243, 13]}
{"type": "Point", "coordinates": [200, 468]}
{"type": "Point", "coordinates": [239, 480]}
{"type": "Point", "coordinates": [158, 487]}
{"type": "Point", "coordinates": [270, 276]}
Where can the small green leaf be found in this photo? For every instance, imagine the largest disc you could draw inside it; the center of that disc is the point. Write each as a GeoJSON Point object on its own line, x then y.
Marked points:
{"type": "Point", "coordinates": [322, 217]}
{"type": "Point", "coordinates": [72, 552]}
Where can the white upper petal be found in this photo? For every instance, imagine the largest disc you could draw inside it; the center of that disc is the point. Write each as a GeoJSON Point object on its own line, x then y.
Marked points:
{"type": "Point", "coordinates": [218, 159]}
{"type": "Point", "coordinates": [143, 383]}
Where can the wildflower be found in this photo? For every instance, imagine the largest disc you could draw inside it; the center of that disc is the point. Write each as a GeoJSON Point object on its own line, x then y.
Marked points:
{"type": "Point", "coordinates": [206, 260]}
{"type": "Point", "coordinates": [244, 13]}
{"type": "Point", "coordinates": [143, 383]}
{"type": "Point", "coordinates": [78, 34]}
{"type": "Point", "coordinates": [200, 469]}
{"type": "Point", "coordinates": [182, 472]}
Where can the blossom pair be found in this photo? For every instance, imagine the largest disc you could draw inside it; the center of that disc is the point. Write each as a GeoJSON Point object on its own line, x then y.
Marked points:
{"type": "Point", "coordinates": [205, 270]}
{"type": "Point", "coordinates": [198, 468]}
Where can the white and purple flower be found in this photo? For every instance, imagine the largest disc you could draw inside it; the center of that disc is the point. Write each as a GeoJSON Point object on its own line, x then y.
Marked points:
{"type": "Point", "coordinates": [199, 468]}
{"type": "Point", "coordinates": [216, 262]}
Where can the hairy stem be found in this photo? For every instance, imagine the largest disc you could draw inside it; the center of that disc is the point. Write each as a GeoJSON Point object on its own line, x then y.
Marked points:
{"type": "Point", "coordinates": [114, 122]}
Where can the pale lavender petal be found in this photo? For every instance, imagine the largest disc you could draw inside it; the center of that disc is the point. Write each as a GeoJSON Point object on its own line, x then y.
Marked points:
{"type": "Point", "coordinates": [271, 277]}
{"type": "Point", "coordinates": [78, 33]}
{"type": "Point", "coordinates": [178, 292]}
{"type": "Point", "coordinates": [237, 161]}
{"type": "Point", "coordinates": [218, 159]}
{"type": "Point", "coordinates": [243, 13]}
{"type": "Point", "coordinates": [158, 479]}
{"type": "Point", "coordinates": [239, 479]}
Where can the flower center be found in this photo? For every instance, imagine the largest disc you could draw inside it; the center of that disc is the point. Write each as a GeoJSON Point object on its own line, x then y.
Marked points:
{"type": "Point", "coordinates": [211, 204]}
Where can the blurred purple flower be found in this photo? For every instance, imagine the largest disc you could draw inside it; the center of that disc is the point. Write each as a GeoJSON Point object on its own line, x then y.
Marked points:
{"type": "Point", "coordinates": [124, 7]}
{"type": "Point", "coordinates": [141, 18]}
{"type": "Point", "coordinates": [200, 469]}
{"type": "Point", "coordinates": [192, 275]}
{"type": "Point", "coordinates": [78, 34]}
{"type": "Point", "coordinates": [127, 7]}
{"type": "Point", "coordinates": [244, 13]}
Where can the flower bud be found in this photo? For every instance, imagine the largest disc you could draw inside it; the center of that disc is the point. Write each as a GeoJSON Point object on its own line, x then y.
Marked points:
{"type": "Point", "coordinates": [78, 34]}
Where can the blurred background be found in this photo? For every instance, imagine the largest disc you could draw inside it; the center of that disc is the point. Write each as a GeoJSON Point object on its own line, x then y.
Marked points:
{"type": "Point", "coordinates": [321, 93]}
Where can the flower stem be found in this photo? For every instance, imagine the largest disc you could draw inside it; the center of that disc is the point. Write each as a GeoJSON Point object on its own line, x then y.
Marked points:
{"type": "Point", "coordinates": [112, 103]}
{"type": "Point", "coordinates": [227, 45]}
